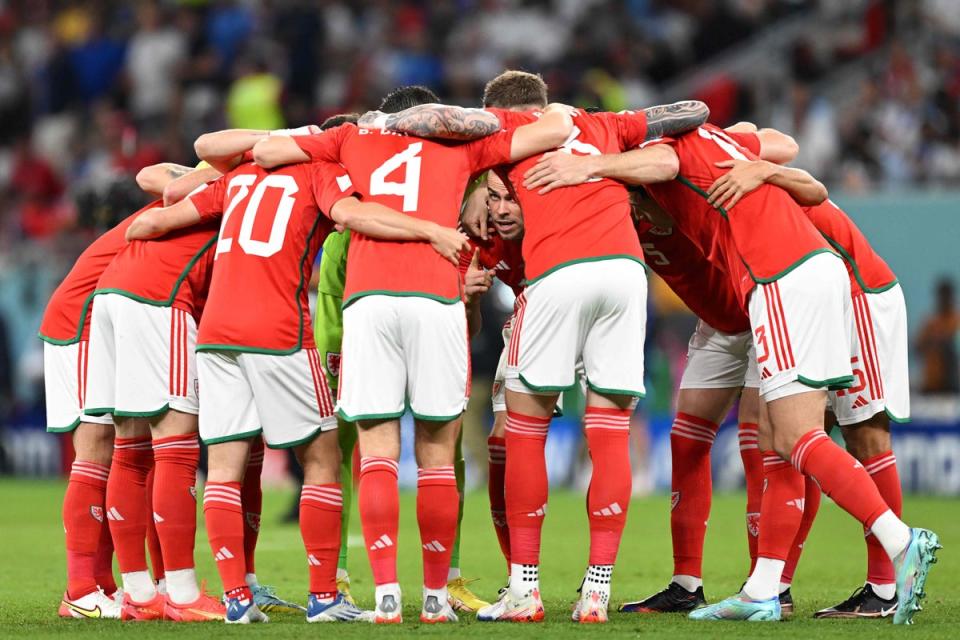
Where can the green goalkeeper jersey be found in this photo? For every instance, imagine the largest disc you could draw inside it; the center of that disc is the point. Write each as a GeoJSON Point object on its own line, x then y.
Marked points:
{"type": "Point", "coordinates": [328, 324]}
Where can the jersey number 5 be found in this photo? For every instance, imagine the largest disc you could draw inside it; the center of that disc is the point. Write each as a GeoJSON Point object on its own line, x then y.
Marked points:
{"type": "Point", "coordinates": [240, 186]}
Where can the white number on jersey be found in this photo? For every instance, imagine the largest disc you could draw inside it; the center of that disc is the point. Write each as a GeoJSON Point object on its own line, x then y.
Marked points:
{"type": "Point", "coordinates": [723, 141]}
{"type": "Point", "coordinates": [410, 187]}
{"type": "Point", "coordinates": [573, 143]}
{"type": "Point", "coordinates": [281, 216]}
{"type": "Point", "coordinates": [650, 251]}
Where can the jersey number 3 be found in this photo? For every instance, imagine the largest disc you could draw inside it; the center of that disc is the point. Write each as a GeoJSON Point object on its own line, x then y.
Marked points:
{"type": "Point", "coordinates": [239, 187]}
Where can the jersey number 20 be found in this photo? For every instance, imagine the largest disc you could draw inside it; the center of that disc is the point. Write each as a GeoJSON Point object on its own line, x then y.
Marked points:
{"type": "Point", "coordinates": [240, 186]}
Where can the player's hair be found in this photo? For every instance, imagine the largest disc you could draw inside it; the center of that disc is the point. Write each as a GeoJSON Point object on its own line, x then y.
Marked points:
{"type": "Point", "coordinates": [515, 88]}
{"type": "Point", "coordinates": [339, 119]}
{"type": "Point", "coordinates": [406, 97]}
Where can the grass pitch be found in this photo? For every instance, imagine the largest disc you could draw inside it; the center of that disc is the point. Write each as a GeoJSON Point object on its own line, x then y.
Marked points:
{"type": "Point", "coordinates": [32, 573]}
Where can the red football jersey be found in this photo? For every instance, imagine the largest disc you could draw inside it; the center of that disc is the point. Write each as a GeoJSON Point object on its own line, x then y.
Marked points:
{"type": "Point", "coordinates": [702, 285]}
{"type": "Point", "coordinates": [170, 271]}
{"type": "Point", "coordinates": [586, 222]}
{"type": "Point", "coordinates": [505, 257]}
{"type": "Point", "coordinates": [867, 270]}
{"type": "Point", "coordinates": [67, 317]}
{"type": "Point", "coordinates": [420, 177]}
{"type": "Point", "coordinates": [272, 227]}
{"type": "Point", "coordinates": [768, 230]}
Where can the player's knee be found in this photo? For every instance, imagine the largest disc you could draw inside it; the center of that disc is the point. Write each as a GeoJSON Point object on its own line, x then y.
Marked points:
{"type": "Point", "coordinates": [320, 459]}
{"type": "Point", "coordinates": [783, 444]}
{"type": "Point", "coordinates": [94, 443]}
{"type": "Point", "coordinates": [868, 439]}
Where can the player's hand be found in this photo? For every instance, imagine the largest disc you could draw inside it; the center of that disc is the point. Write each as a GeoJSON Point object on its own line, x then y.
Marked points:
{"type": "Point", "coordinates": [449, 243]}
{"type": "Point", "coordinates": [475, 218]}
{"type": "Point", "coordinates": [369, 120]}
{"type": "Point", "coordinates": [557, 169]}
{"type": "Point", "coordinates": [559, 106]}
{"type": "Point", "coordinates": [744, 176]}
{"type": "Point", "coordinates": [477, 280]}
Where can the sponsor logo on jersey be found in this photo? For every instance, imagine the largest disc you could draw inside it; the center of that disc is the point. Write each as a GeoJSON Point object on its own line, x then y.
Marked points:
{"type": "Point", "coordinates": [253, 520]}
{"type": "Point", "coordinates": [97, 512]}
{"type": "Point", "coordinates": [333, 363]}
{"type": "Point", "coordinates": [753, 524]}
{"type": "Point", "coordinates": [674, 499]}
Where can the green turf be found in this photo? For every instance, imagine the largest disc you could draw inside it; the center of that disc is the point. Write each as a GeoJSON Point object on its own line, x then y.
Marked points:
{"type": "Point", "coordinates": [32, 570]}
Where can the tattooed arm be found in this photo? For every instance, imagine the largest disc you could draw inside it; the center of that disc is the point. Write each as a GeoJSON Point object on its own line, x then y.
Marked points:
{"type": "Point", "coordinates": [435, 121]}
{"type": "Point", "coordinates": [676, 118]}
{"type": "Point", "coordinates": [154, 178]}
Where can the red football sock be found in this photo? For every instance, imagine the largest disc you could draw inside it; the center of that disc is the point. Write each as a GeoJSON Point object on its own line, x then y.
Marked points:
{"type": "Point", "coordinates": [224, 515]}
{"type": "Point", "coordinates": [438, 507]}
{"type": "Point", "coordinates": [753, 479]}
{"type": "Point", "coordinates": [379, 503]}
{"type": "Point", "coordinates": [781, 508]}
{"type": "Point", "coordinates": [175, 498]}
{"type": "Point", "coordinates": [251, 494]}
{"type": "Point", "coordinates": [691, 439]}
{"type": "Point", "coordinates": [525, 479]}
{"type": "Point", "coordinates": [321, 509]}
{"type": "Point", "coordinates": [153, 540]}
{"type": "Point", "coordinates": [126, 501]}
{"type": "Point", "coordinates": [840, 476]}
{"type": "Point", "coordinates": [811, 504]}
{"type": "Point", "coordinates": [497, 448]}
{"type": "Point", "coordinates": [103, 562]}
{"type": "Point", "coordinates": [83, 523]}
{"type": "Point", "coordinates": [883, 469]}
{"type": "Point", "coordinates": [611, 482]}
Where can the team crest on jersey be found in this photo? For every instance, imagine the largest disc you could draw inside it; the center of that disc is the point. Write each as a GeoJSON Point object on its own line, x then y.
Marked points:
{"type": "Point", "coordinates": [97, 512]}
{"type": "Point", "coordinates": [193, 492]}
{"type": "Point", "coordinates": [253, 521]}
{"type": "Point", "coordinates": [674, 499]}
{"type": "Point", "coordinates": [333, 363]}
{"type": "Point", "coordinates": [753, 524]}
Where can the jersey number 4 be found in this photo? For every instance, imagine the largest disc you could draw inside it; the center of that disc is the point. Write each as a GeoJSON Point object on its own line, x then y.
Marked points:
{"type": "Point", "coordinates": [238, 189]}
{"type": "Point", "coordinates": [409, 189]}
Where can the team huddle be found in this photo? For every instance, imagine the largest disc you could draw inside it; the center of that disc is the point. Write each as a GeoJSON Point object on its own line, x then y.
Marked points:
{"type": "Point", "coordinates": [189, 321]}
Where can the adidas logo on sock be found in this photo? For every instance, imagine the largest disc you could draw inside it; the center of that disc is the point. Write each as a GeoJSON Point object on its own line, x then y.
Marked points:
{"type": "Point", "coordinates": [435, 546]}
{"type": "Point", "coordinates": [157, 518]}
{"type": "Point", "coordinates": [860, 402]}
{"type": "Point", "coordinates": [223, 554]}
{"type": "Point", "coordinates": [312, 560]}
{"type": "Point", "coordinates": [613, 510]}
{"type": "Point", "coordinates": [798, 503]}
{"type": "Point", "coordinates": [539, 513]}
{"type": "Point", "coordinates": [382, 542]}
{"type": "Point", "coordinates": [113, 514]}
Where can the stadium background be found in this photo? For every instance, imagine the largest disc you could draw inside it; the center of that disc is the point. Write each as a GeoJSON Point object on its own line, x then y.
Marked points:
{"type": "Point", "coordinates": [92, 91]}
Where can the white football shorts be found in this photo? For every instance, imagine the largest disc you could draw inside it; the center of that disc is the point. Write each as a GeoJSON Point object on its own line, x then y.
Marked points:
{"type": "Point", "coordinates": [284, 397]}
{"type": "Point", "coordinates": [141, 359]}
{"type": "Point", "coordinates": [65, 381]}
{"type": "Point", "coordinates": [802, 326]}
{"type": "Point", "coordinates": [594, 312]}
{"type": "Point", "coordinates": [398, 349]}
{"type": "Point", "coordinates": [717, 360]}
{"type": "Point", "coordinates": [879, 360]}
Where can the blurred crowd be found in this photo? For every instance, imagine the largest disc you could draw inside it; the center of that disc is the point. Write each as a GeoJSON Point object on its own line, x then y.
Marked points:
{"type": "Point", "coordinates": [93, 90]}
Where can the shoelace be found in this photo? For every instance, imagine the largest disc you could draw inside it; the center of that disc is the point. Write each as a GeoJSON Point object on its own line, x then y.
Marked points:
{"type": "Point", "coordinates": [857, 593]}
